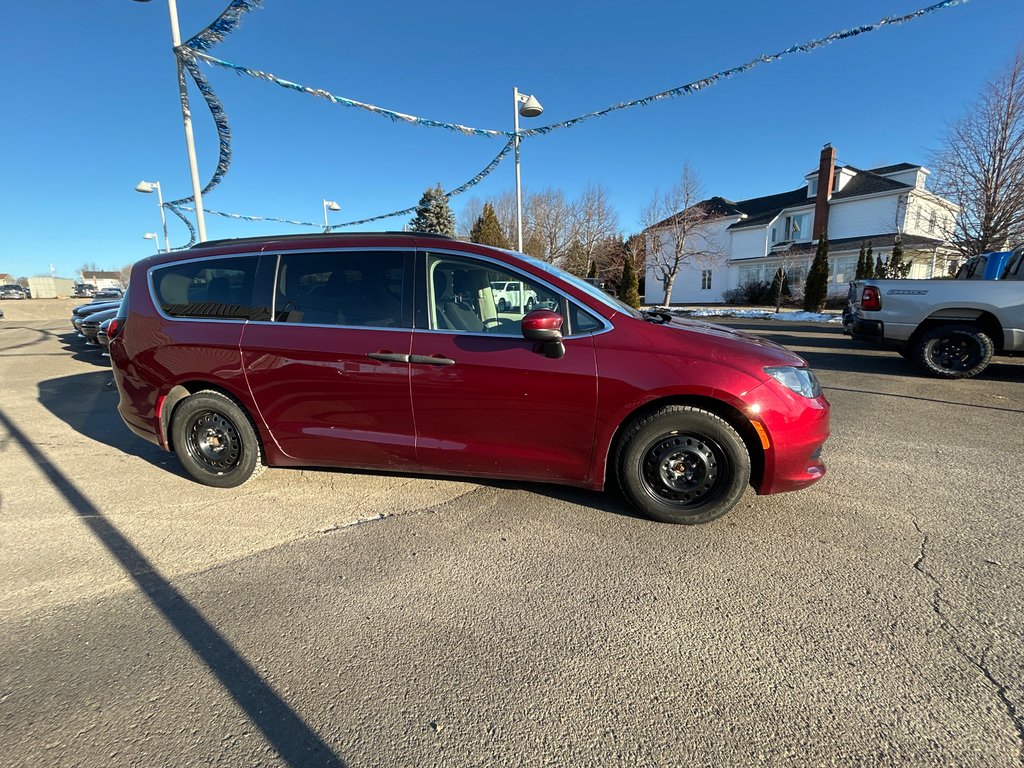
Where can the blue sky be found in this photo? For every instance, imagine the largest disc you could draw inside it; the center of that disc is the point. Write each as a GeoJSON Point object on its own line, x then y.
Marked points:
{"type": "Point", "coordinates": [91, 106]}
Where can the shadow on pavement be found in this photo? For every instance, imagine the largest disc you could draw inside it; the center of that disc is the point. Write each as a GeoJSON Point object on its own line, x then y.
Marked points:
{"type": "Point", "coordinates": [293, 739]}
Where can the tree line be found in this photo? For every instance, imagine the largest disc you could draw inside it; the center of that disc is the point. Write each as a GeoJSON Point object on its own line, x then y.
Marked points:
{"type": "Point", "coordinates": [580, 235]}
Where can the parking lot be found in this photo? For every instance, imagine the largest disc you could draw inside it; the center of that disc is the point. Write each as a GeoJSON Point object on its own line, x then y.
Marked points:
{"type": "Point", "coordinates": [343, 618]}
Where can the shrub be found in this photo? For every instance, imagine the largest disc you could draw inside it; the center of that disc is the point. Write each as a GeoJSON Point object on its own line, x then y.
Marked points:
{"type": "Point", "coordinates": [750, 292]}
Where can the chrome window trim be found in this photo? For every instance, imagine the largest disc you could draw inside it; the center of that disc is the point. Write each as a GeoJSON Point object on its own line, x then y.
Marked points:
{"type": "Point", "coordinates": [605, 322]}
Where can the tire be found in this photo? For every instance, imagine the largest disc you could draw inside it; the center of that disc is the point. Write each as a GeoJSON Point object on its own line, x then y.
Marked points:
{"type": "Point", "coordinates": [682, 464]}
{"type": "Point", "coordinates": [529, 304]}
{"type": "Point", "coordinates": [954, 351]}
{"type": "Point", "coordinates": [215, 441]}
{"type": "Point", "coordinates": [502, 305]}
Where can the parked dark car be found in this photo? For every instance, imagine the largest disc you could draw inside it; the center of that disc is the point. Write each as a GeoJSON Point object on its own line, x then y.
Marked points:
{"type": "Point", "coordinates": [83, 291]}
{"type": "Point", "coordinates": [387, 351]}
{"type": "Point", "coordinates": [108, 294]}
{"type": "Point", "coordinates": [81, 312]}
{"type": "Point", "coordinates": [90, 326]}
{"type": "Point", "coordinates": [12, 291]}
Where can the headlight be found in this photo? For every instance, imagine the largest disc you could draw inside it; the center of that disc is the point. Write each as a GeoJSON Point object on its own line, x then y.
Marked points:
{"type": "Point", "coordinates": [800, 380]}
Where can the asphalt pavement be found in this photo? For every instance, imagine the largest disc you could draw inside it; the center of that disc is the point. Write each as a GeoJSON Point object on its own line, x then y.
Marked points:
{"type": "Point", "coordinates": [317, 617]}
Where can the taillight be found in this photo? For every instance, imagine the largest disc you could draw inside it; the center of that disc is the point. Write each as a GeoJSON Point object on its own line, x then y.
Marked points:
{"type": "Point", "coordinates": [114, 327]}
{"type": "Point", "coordinates": [870, 300]}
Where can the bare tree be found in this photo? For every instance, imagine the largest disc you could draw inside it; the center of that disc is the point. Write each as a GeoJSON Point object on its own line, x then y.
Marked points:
{"type": "Point", "coordinates": [981, 166]}
{"type": "Point", "coordinates": [596, 221]}
{"type": "Point", "coordinates": [465, 219]}
{"type": "Point", "coordinates": [678, 224]}
{"type": "Point", "coordinates": [551, 224]}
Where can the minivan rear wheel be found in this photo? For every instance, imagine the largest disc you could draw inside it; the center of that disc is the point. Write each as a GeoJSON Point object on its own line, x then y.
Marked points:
{"type": "Point", "coordinates": [215, 441]}
{"type": "Point", "coordinates": [682, 464]}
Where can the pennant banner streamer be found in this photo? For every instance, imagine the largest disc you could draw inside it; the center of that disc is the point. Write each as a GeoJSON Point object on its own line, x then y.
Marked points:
{"type": "Point", "coordinates": [197, 46]}
{"type": "Point", "coordinates": [682, 90]}
{"type": "Point", "coordinates": [404, 212]}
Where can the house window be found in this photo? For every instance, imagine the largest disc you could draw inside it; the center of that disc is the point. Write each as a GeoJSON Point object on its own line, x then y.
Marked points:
{"type": "Point", "coordinates": [750, 274]}
{"type": "Point", "coordinates": [798, 227]}
{"type": "Point", "coordinates": [812, 188]}
{"type": "Point", "coordinates": [933, 222]}
{"type": "Point", "coordinates": [845, 269]}
{"type": "Point", "coordinates": [705, 280]}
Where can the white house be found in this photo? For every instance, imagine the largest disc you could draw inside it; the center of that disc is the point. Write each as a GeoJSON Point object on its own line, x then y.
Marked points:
{"type": "Point", "coordinates": [757, 236]}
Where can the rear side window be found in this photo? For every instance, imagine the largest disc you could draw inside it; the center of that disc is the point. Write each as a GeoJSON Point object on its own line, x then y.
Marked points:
{"type": "Point", "coordinates": [349, 288]}
{"type": "Point", "coordinates": [210, 288]}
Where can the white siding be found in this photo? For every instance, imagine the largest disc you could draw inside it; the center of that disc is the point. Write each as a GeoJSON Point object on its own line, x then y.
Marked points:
{"type": "Point", "coordinates": [861, 217]}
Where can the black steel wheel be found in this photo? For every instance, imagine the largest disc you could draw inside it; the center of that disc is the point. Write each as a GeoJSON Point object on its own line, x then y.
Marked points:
{"type": "Point", "coordinates": [954, 351]}
{"type": "Point", "coordinates": [215, 441]}
{"type": "Point", "coordinates": [683, 464]}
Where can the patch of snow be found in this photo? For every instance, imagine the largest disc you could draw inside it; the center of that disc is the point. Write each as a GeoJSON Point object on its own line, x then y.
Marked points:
{"type": "Point", "coordinates": [793, 316]}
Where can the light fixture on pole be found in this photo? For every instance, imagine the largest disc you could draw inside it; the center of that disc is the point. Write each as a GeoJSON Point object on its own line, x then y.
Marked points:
{"type": "Point", "coordinates": [186, 116]}
{"type": "Point", "coordinates": [527, 106]}
{"type": "Point", "coordinates": [329, 205]}
{"type": "Point", "coordinates": [152, 236]}
{"type": "Point", "coordinates": [146, 187]}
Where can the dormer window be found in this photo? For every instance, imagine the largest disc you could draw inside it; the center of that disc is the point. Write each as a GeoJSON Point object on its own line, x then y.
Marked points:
{"type": "Point", "coordinates": [812, 188]}
{"type": "Point", "coordinates": [797, 227]}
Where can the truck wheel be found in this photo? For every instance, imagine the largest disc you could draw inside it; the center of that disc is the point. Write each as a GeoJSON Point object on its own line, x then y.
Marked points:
{"type": "Point", "coordinates": [682, 464]}
{"type": "Point", "coordinates": [954, 351]}
{"type": "Point", "coordinates": [502, 305]}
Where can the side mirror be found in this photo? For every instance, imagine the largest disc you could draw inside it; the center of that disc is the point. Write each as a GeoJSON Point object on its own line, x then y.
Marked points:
{"type": "Point", "coordinates": [545, 326]}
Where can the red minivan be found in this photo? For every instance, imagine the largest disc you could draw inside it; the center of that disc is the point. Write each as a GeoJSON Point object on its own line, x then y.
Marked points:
{"type": "Point", "coordinates": [388, 351]}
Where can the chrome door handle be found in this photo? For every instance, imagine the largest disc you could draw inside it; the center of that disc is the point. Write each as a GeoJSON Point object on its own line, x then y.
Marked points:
{"type": "Point", "coordinates": [428, 360]}
{"type": "Point", "coordinates": [389, 357]}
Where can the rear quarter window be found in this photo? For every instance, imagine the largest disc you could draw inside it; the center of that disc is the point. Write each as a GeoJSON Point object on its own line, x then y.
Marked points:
{"type": "Point", "coordinates": [210, 288]}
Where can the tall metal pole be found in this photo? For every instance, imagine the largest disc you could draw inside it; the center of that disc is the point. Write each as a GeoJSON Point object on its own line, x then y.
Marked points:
{"type": "Point", "coordinates": [186, 117]}
{"type": "Point", "coordinates": [163, 218]}
{"type": "Point", "coordinates": [519, 187]}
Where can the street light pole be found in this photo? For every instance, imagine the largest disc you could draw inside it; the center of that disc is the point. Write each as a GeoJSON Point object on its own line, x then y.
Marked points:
{"type": "Point", "coordinates": [329, 205]}
{"type": "Point", "coordinates": [527, 106]}
{"type": "Point", "coordinates": [186, 116]}
{"type": "Point", "coordinates": [154, 186]}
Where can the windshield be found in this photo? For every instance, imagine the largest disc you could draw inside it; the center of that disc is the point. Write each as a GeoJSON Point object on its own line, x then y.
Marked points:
{"type": "Point", "coordinates": [591, 290]}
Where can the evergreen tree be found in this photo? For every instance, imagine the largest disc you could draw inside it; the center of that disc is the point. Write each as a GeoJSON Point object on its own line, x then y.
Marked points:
{"type": "Point", "coordinates": [630, 285]}
{"type": "Point", "coordinates": [879, 268]}
{"type": "Point", "coordinates": [592, 272]}
{"type": "Point", "coordinates": [816, 287]}
{"type": "Point", "coordinates": [778, 288]}
{"type": "Point", "coordinates": [487, 230]}
{"type": "Point", "coordinates": [862, 269]}
{"type": "Point", "coordinates": [897, 268]}
{"type": "Point", "coordinates": [433, 214]}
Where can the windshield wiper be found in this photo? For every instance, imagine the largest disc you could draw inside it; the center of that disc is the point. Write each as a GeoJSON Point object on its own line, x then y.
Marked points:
{"type": "Point", "coordinates": [656, 316]}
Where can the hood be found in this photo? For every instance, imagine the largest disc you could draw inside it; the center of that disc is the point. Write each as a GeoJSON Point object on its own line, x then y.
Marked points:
{"type": "Point", "coordinates": [722, 344]}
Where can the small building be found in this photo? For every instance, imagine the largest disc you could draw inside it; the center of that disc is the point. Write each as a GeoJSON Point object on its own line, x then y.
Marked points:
{"type": "Point", "coordinates": [101, 280]}
{"type": "Point", "coordinates": [50, 287]}
{"type": "Point", "coordinates": [753, 238]}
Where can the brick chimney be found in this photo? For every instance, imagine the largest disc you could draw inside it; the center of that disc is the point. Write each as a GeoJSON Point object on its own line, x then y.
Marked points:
{"type": "Point", "coordinates": [826, 172]}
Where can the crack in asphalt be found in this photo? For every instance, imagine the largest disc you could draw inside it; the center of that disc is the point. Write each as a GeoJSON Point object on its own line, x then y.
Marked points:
{"type": "Point", "coordinates": [981, 664]}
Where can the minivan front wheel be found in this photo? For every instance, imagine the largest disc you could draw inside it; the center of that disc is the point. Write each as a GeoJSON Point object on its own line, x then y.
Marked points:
{"type": "Point", "coordinates": [683, 464]}
{"type": "Point", "coordinates": [215, 441]}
